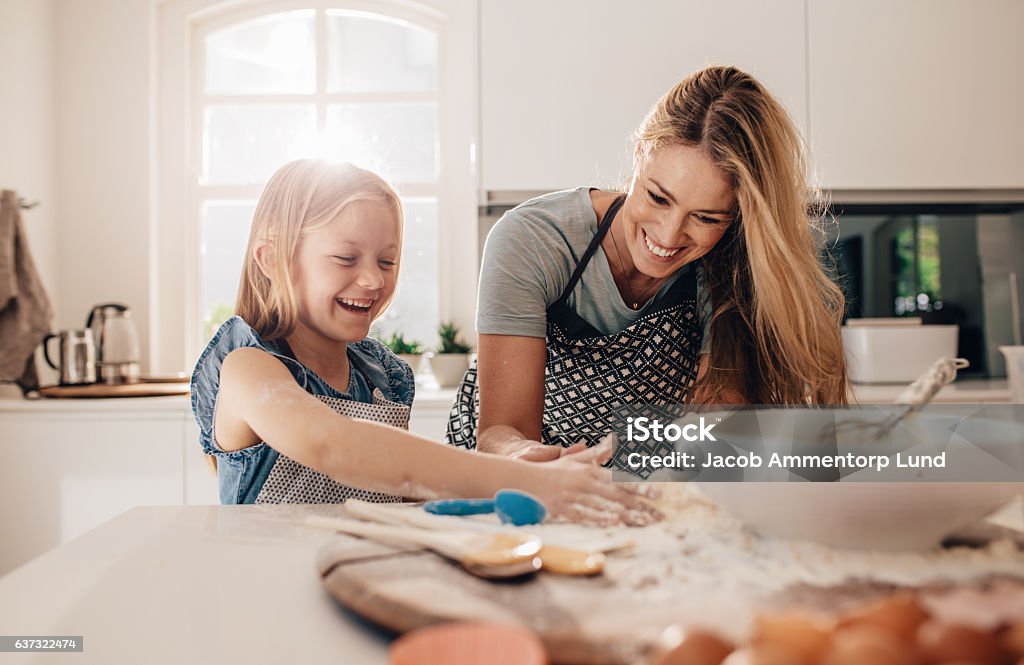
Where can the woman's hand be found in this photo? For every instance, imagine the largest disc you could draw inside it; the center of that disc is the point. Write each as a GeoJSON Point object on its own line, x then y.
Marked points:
{"type": "Point", "coordinates": [576, 487]}
{"type": "Point", "coordinates": [535, 451]}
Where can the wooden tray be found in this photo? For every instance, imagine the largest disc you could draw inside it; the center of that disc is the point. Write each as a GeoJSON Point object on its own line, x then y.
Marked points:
{"type": "Point", "coordinates": [125, 390]}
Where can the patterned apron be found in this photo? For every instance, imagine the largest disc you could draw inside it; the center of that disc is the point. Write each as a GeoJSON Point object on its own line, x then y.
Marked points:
{"type": "Point", "coordinates": [588, 374]}
{"type": "Point", "coordinates": [292, 482]}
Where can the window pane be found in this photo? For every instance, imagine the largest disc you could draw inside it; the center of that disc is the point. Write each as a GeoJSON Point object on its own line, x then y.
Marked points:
{"type": "Point", "coordinates": [367, 54]}
{"type": "Point", "coordinates": [396, 140]}
{"type": "Point", "coordinates": [414, 311]}
{"type": "Point", "coordinates": [225, 229]}
{"type": "Point", "coordinates": [270, 54]}
{"type": "Point", "coordinates": [246, 144]}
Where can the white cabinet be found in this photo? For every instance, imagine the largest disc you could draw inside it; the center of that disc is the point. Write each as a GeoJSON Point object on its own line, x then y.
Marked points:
{"type": "Point", "coordinates": [70, 466]}
{"type": "Point", "coordinates": [917, 94]}
{"type": "Point", "coordinates": [564, 84]}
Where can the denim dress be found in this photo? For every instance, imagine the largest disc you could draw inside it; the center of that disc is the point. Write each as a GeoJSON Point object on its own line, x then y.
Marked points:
{"type": "Point", "coordinates": [381, 388]}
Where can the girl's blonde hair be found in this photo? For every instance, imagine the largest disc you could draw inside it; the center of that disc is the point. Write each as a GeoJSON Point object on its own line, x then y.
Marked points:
{"type": "Point", "coordinates": [776, 314]}
{"type": "Point", "coordinates": [300, 198]}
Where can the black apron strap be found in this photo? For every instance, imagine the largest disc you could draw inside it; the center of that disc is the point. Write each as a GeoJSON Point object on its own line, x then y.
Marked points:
{"type": "Point", "coordinates": [684, 288]}
{"type": "Point", "coordinates": [602, 230]}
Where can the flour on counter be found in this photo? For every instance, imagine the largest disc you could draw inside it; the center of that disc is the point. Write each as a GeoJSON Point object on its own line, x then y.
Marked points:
{"type": "Point", "coordinates": [698, 544]}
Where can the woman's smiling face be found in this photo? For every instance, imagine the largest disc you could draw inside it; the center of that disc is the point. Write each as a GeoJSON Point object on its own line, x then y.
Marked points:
{"type": "Point", "coordinates": [678, 207]}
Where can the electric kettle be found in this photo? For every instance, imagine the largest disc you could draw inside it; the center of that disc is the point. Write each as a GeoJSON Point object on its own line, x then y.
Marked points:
{"type": "Point", "coordinates": [117, 343]}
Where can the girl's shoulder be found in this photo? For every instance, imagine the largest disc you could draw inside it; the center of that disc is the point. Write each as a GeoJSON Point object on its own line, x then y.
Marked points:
{"type": "Point", "coordinates": [233, 334]}
{"type": "Point", "coordinates": [389, 372]}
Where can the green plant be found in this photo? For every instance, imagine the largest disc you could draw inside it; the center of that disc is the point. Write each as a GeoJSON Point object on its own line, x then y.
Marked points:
{"type": "Point", "coordinates": [450, 342]}
{"type": "Point", "coordinates": [399, 345]}
{"type": "Point", "coordinates": [217, 314]}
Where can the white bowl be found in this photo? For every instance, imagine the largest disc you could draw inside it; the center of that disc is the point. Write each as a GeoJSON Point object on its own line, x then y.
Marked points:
{"type": "Point", "coordinates": [861, 515]}
{"type": "Point", "coordinates": [891, 354]}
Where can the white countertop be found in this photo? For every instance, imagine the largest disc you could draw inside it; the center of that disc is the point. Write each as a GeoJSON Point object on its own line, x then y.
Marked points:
{"type": "Point", "coordinates": [440, 399]}
{"type": "Point", "coordinates": [965, 391]}
{"type": "Point", "coordinates": [230, 584]}
{"type": "Point", "coordinates": [192, 584]}
{"type": "Point", "coordinates": [426, 398]}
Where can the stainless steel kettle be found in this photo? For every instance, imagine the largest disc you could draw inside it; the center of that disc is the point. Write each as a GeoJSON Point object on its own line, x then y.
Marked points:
{"type": "Point", "coordinates": [117, 343]}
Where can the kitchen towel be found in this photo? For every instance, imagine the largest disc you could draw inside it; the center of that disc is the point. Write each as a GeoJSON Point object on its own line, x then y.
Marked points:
{"type": "Point", "coordinates": [25, 311]}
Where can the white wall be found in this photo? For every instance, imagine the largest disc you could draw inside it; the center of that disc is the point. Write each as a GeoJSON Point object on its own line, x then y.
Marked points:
{"type": "Point", "coordinates": [27, 148]}
{"type": "Point", "coordinates": [26, 123]}
{"type": "Point", "coordinates": [104, 55]}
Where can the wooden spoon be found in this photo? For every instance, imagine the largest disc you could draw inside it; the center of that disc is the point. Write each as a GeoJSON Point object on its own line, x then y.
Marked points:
{"type": "Point", "coordinates": [492, 555]}
{"type": "Point", "coordinates": [555, 559]}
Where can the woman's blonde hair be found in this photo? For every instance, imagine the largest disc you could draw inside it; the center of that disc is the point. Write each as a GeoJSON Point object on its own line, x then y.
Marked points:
{"type": "Point", "coordinates": [300, 198]}
{"type": "Point", "coordinates": [776, 313]}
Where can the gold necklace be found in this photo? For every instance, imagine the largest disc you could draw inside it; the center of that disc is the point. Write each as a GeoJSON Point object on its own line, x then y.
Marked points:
{"type": "Point", "coordinates": [633, 300]}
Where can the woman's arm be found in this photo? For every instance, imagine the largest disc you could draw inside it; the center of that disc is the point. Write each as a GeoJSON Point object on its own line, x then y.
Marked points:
{"type": "Point", "coordinates": [510, 372]}
{"type": "Point", "coordinates": [260, 401]}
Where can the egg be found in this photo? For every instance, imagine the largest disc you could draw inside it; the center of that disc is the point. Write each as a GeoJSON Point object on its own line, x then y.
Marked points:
{"type": "Point", "coordinates": [696, 648]}
{"type": "Point", "coordinates": [863, 644]}
{"type": "Point", "coordinates": [939, 642]}
{"type": "Point", "coordinates": [803, 635]}
{"type": "Point", "coordinates": [899, 613]}
{"type": "Point", "coordinates": [1012, 639]}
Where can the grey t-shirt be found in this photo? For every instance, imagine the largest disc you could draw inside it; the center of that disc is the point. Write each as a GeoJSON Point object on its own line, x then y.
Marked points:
{"type": "Point", "coordinates": [529, 257]}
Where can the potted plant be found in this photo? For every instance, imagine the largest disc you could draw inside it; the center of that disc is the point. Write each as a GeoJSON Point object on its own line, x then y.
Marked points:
{"type": "Point", "coordinates": [451, 360]}
{"type": "Point", "coordinates": [408, 350]}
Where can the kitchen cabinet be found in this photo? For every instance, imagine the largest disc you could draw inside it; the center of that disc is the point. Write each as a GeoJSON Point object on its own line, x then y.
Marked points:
{"type": "Point", "coordinates": [564, 84]}
{"type": "Point", "coordinates": [70, 465]}
{"type": "Point", "coordinates": [917, 94]}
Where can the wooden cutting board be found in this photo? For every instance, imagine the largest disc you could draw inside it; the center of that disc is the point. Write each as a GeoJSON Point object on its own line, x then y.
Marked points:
{"type": "Point", "coordinates": [146, 389]}
{"type": "Point", "coordinates": [582, 621]}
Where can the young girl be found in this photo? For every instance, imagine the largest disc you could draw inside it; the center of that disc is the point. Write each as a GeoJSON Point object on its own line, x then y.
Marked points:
{"type": "Point", "coordinates": [299, 406]}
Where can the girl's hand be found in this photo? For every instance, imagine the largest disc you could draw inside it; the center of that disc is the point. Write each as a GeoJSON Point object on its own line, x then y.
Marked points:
{"type": "Point", "coordinates": [579, 489]}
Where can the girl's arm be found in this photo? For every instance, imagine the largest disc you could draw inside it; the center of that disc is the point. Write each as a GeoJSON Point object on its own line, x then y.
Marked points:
{"type": "Point", "coordinates": [259, 400]}
{"type": "Point", "coordinates": [510, 372]}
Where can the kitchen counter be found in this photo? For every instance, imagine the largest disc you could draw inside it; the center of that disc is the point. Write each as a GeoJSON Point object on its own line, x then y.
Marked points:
{"type": "Point", "coordinates": [439, 400]}
{"type": "Point", "coordinates": [239, 584]}
{"type": "Point", "coordinates": [426, 398]}
{"type": "Point", "coordinates": [964, 391]}
{"type": "Point", "coordinates": [192, 584]}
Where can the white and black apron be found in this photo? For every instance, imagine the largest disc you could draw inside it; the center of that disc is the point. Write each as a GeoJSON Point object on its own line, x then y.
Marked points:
{"type": "Point", "coordinates": [292, 482]}
{"type": "Point", "coordinates": [588, 374]}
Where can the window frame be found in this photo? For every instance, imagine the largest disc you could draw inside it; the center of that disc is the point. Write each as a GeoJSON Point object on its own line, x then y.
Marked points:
{"type": "Point", "coordinates": [175, 287]}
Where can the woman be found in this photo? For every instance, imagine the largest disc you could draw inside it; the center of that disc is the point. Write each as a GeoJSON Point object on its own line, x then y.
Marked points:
{"type": "Point", "coordinates": [701, 284]}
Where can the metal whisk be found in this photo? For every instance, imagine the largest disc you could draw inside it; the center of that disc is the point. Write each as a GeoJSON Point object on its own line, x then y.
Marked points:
{"type": "Point", "coordinates": [915, 396]}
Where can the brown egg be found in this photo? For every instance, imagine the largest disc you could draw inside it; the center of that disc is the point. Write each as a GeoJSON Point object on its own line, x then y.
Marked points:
{"type": "Point", "coordinates": [939, 642]}
{"type": "Point", "coordinates": [900, 613]}
{"type": "Point", "coordinates": [803, 635]}
{"type": "Point", "coordinates": [1012, 639]}
{"type": "Point", "coordinates": [868, 644]}
{"type": "Point", "coordinates": [763, 654]}
{"type": "Point", "coordinates": [696, 648]}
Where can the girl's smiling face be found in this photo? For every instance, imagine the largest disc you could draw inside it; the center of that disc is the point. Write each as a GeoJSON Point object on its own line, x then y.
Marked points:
{"type": "Point", "coordinates": [678, 207]}
{"type": "Point", "coordinates": [344, 273]}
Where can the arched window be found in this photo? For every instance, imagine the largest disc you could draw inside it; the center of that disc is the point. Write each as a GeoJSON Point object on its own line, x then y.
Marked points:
{"type": "Point", "coordinates": [366, 82]}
